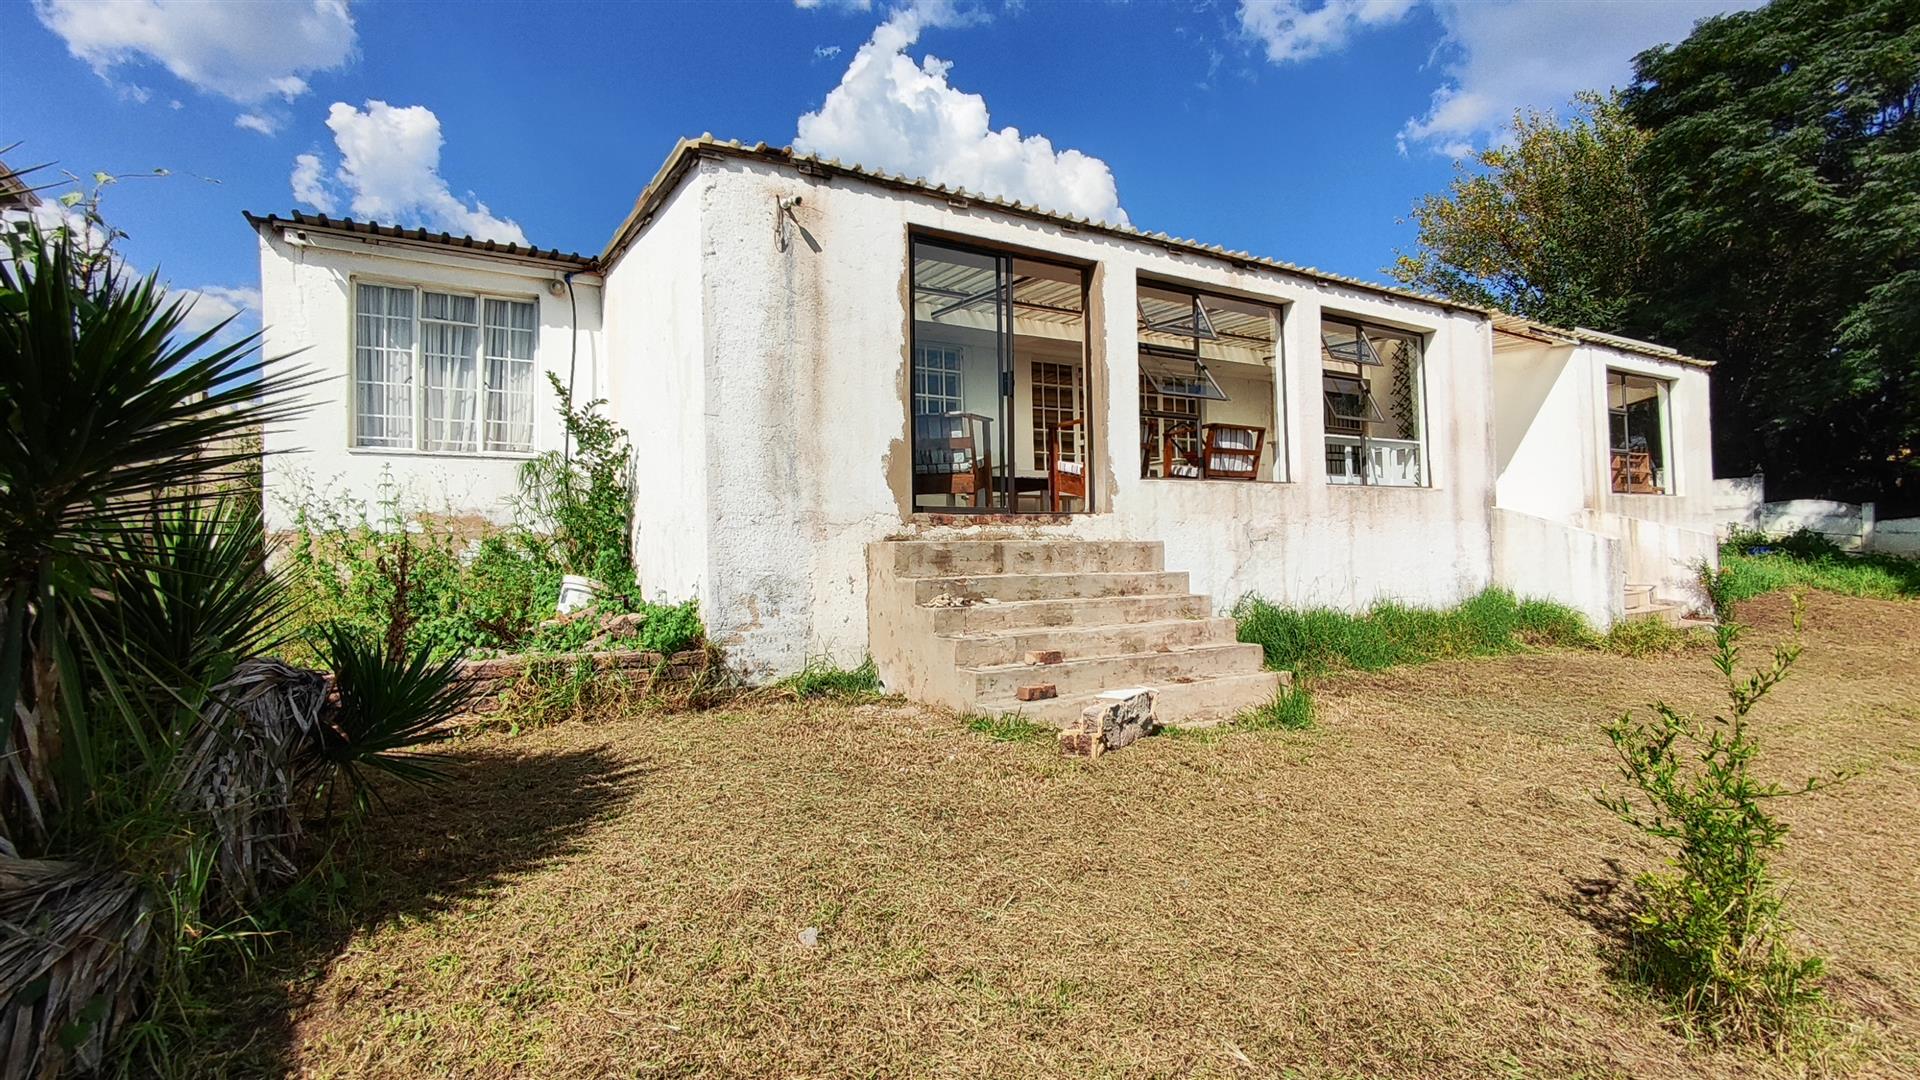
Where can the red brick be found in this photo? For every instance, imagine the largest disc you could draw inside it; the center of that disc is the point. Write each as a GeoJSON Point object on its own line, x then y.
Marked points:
{"type": "Point", "coordinates": [1039, 692]}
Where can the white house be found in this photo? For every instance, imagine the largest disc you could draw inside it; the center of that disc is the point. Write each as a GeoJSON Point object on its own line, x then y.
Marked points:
{"type": "Point", "coordinates": [864, 405]}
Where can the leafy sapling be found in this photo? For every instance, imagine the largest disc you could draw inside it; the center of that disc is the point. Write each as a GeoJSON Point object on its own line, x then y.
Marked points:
{"type": "Point", "coordinates": [1711, 933]}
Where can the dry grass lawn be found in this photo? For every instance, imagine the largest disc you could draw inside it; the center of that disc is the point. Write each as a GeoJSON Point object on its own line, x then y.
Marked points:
{"type": "Point", "coordinates": [1422, 886]}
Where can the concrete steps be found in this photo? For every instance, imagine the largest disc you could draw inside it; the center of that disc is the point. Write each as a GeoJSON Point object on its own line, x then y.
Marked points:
{"type": "Point", "coordinates": [979, 650]}
{"type": "Point", "coordinates": [1057, 585]}
{"type": "Point", "coordinates": [1219, 698]}
{"type": "Point", "coordinates": [1641, 603]}
{"type": "Point", "coordinates": [953, 622]}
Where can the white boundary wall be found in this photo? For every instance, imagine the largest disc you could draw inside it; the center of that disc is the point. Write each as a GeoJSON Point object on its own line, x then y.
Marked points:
{"type": "Point", "coordinates": [1740, 502]}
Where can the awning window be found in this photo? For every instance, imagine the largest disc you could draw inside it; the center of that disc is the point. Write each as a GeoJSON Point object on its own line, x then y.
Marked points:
{"type": "Point", "coordinates": [1182, 378]}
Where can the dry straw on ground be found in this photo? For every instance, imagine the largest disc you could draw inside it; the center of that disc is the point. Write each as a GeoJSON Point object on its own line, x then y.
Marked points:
{"type": "Point", "coordinates": [1422, 886]}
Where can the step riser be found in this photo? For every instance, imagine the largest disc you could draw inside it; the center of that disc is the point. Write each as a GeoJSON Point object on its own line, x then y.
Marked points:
{"type": "Point", "coordinates": [1215, 699]}
{"type": "Point", "coordinates": [1089, 641]}
{"type": "Point", "coordinates": [1068, 613]}
{"type": "Point", "coordinates": [1671, 614]}
{"type": "Point", "coordinates": [1087, 676]}
{"type": "Point", "coordinates": [962, 558]}
{"type": "Point", "coordinates": [1007, 588]}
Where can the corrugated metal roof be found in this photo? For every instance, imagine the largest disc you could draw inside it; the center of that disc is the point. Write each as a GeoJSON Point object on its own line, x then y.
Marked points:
{"type": "Point", "coordinates": [297, 219]}
{"type": "Point", "coordinates": [1539, 331]}
{"type": "Point", "coordinates": [689, 150]}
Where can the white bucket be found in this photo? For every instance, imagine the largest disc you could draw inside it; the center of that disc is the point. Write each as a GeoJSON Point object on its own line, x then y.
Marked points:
{"type": "Point", "coordinates": [577, 592]}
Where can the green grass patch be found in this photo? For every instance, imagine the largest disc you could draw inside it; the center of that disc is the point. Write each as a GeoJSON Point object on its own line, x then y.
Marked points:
{"type": "Point", "coordinates": [1650, 637]}
{"type": "Point", "coordinates": [1752, 564]}
{"type": "Point", "coordinates": [1390, 634]}
{"type": "Point", "coordinates": [822, 678]}
{"type": "Point", "coordinates": [1290, 710]}
{"type": "Point", "coordinates": [1011, 727]}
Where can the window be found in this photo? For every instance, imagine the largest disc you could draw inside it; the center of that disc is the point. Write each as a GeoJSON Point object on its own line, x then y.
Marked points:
{"type": "Point", "coordinates": [936, 380]}
{"type": "Point", "coordinates": [1637, 434]}
{"type": "Point", "coordinates": [1056, 400]}
{"type": "Point", "coordinates": [472, 357]}
{"type": "Point", "coordinates": [1372, 392]}
{"type": "Point", "coordinates": [1207, 386]}
{"type": "Point", "coordinates": [1169, 433]}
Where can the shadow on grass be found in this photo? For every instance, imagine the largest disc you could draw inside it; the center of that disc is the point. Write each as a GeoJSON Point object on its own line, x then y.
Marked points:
{"type": "Point", "coordinates": [1606, 903]}
{"type": "Point", "coordinates": [502, 815]}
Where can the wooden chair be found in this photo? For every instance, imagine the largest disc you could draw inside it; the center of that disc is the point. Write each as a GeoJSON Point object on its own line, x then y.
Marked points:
{"type": "Point", "coordinates": [1633, 473]}
{"type": "Point", "coordinates": [1231, 451]}
{"type": "Point", "coordinates": [1175, 462]}
{"type": "Point", "coordinates": [950, 459]}
{"type": "Point", "coordinates": [1066, 479]}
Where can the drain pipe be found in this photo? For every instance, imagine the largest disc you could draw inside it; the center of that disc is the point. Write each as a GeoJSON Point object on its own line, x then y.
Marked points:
{"type": "Point", "coordinates": [573, 362]}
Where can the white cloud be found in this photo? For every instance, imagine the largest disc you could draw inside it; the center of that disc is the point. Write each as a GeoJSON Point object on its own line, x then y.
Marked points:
{"type": "Point", "coordinates": [890, 113]}
{"type": "Point", "coordinates": [247, 52]}
{"type": "Point", "coordinates": [1292, 30]}
{"type": "Point", "coordinates": [260, 122]}
{"type": "Point", "coordinates": [214, 303]}
{"type": "Point", "coordinates": [390, 165]}
{"type": "Point", "coordinates": [311, 186]}
{"type": "Point", "coordinates": [1515, 55]}
{"type": "Point", "coordinates": [1497, 56]}
{"type": "Point", "coordinates": [845, 5]}
{"type": "Point", "coordinates": [825, 52]}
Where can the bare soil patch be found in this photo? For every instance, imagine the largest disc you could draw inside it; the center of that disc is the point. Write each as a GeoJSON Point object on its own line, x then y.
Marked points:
{"type": "Point", "coordinates": [1421, 886]}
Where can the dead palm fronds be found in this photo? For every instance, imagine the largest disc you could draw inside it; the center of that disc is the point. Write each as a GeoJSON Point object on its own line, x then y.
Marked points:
{"type": "Point", "coordinates": [75, 949]}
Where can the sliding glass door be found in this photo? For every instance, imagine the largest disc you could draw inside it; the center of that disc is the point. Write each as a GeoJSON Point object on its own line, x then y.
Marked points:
{"type": "Point", "coordinates": [962, 379]}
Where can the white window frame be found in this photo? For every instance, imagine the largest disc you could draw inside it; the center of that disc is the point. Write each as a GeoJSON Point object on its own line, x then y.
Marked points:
{"type": "Point", "coordinates": [418, 387]}
{"type": "Point", "coordinates": [1667, 473]}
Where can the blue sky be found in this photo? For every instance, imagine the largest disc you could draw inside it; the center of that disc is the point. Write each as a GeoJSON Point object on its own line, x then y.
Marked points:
{"type": "Point", "coordinates": [1289, 128]}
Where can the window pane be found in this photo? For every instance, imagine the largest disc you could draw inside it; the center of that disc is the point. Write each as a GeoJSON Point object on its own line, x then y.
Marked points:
{"type": "Point", "coordinates": [509, 357]}
{"type": "Point", "coordinates": [449, 354]}
{"type": "Point", "coordinates": [1636, 434]}
{"type": "Point", "coordinates": [383, 366]}
{"type": "Point", "coordinates": [1373, 387]}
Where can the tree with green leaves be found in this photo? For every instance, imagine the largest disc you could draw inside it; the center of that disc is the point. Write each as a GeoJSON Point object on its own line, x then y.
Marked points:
{"type": "Point", "coordinates": [1551, 226]}
{"type": "Point", "coordinates": [1782, 172]}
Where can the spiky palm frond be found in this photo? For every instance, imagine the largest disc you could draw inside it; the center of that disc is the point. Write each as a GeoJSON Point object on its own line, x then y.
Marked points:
{"type": "Point", "coordinates": [387, 709]}
{"type": "Point", "coordinates": [107, 412]}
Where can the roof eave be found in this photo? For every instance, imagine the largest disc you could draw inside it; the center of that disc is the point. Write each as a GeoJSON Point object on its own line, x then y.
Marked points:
{"type": "Point", "coordinates": [686, 151]}
{"type": "Point", "coordinates": [426, 240]}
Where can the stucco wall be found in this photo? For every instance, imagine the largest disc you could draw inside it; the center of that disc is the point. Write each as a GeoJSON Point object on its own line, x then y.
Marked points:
{"type": "Point", "coordinates": [1583, 569]}
{"type": "Point", "coordinates": [1551, 408]}
{"type": "Point", "coordinates": [807, 441]}
{"type": "Point", "coordinates": [657, 380]}
{"type": "Point", "coordinates": [307, 310]}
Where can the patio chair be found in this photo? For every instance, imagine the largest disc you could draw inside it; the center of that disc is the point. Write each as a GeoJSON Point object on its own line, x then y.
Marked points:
{"type": "Point", "coordinates": [1232, 451]}
{"type": "Point", "coordinates": [1066, 470]}
{"type": "Point", "coordinates": [1175, 461]}
{"type": "Point", "coordinates": [953, 456]}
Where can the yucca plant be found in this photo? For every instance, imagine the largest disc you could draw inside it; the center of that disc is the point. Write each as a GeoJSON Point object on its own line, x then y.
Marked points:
{"type": "Point", "coordinates": [107, 414]}
{"type": "Point", "coordinates": [386, 705]}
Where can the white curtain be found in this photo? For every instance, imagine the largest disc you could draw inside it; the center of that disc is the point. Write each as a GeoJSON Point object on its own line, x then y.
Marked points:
{"type": "Point", "coordinates": [509, 356]}
{"type": "Point", "coordinates": [383, 366]}
{"type": "Point", "coordinates": [449, 348]}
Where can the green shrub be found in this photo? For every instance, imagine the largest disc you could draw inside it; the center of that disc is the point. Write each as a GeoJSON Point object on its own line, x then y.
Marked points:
{"type": "Point", "coordinates": [1290, 710]}
{"type": "Point", "coordinates": [1710, 932]}
{"type": "Point", "coordinates": [822, 677]}
{"type": "Point", "coordinates": [1390, 633]}
{"type": "Point", "coordinates": [400, 577]}
{"type": "Point", "coordinates": [671, 628]}
{"type": "Point", "coordinates": [585, 496]}
{"type": "Point", "coordinates": [1752, 564]}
